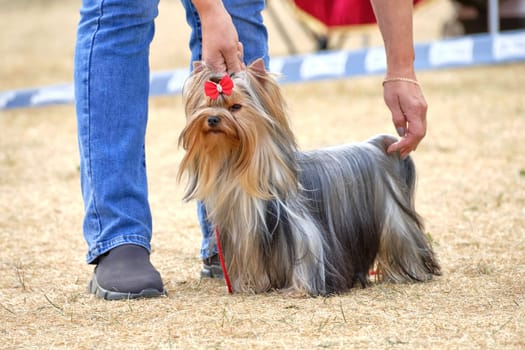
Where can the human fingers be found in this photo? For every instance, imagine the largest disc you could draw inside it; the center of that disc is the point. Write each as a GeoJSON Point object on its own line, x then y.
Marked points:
{"type": "Point", "coordinates": [219, 53]}
{"type": "Point", "coordinates": [233, 59]}
{"type": "Point", "coordinates": [414, 133]}
{"type": "Point", "coordinates": [411, 127]}
{"type": "Point", "coordinates": [408, 107]}
{"type": "Point", "coordinates": [404, 146]}
{"type": "Point", "coordinates": [240, 54]}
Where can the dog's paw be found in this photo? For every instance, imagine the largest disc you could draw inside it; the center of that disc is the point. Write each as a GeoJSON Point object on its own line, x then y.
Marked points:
{"type": "Point", "coordinates": [361, 277]}
{"type": "Point", "coordinates": [293, 293]}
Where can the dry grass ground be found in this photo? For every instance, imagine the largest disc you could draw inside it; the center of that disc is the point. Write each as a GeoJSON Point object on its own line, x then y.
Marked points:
{"type": "Point", "coordinates": [471, 192]}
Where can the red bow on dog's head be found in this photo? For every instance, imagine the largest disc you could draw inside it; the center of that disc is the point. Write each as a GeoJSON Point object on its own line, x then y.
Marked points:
{"type": "Point", "coordinates": [224, 86]}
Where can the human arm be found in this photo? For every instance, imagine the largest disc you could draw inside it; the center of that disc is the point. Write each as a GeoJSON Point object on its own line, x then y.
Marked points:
{"type": "Point", "coordinates": [221, 48]}
{"type": "Point", "coordinates": [403, 97]}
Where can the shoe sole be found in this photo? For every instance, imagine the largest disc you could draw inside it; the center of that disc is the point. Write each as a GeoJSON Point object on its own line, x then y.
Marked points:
{"type": "Point", "coordinates": [212, 272]}
{"type": "Point", "coordinates": [99, 292]}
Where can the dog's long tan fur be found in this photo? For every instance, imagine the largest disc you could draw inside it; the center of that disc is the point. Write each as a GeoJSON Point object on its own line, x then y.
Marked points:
{"type": "Point", "coordinates": [313, 222]}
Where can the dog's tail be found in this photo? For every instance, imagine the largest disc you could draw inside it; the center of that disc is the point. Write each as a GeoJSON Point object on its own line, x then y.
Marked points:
{"type": "Point", "coordinates": [405, 251]}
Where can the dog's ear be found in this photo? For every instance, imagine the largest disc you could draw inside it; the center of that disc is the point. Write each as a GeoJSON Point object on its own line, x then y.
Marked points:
{"type": "Point", "coordinates": [257, 71]}
{"type": "Point", "coordinates": [258, 67]}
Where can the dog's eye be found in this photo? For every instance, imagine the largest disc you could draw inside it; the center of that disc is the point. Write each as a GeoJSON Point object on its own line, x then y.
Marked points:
{"type": "Point", "coordinates": [235, 107]}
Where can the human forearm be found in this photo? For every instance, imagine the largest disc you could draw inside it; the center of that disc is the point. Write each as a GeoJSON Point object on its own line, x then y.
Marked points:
{"type": "Point", "coordinates": [207, 8]}
{"type": "Point", "coordinates": [401, 92]}
{"type": "Point", "coordinates": [394, 18]}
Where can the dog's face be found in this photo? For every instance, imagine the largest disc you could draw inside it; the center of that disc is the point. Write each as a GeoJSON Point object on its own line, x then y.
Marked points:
{"type": "Point", "coordinates": [233, 124]}
{"type": "Point", "coordinates": [227, 122]}
{"type": "Point", "coordinates": [214, 124]}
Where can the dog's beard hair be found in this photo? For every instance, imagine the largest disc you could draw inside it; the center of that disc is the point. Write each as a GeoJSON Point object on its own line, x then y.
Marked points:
{"type": "Point", "coordinates": [308, 221]}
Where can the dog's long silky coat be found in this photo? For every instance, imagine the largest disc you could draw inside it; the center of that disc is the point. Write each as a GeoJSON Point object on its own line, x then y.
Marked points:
{"type": "Point", "coordinates": [313, 222]}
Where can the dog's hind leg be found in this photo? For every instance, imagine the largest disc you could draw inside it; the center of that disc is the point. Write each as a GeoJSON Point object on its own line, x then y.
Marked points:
{"type": "Point", "coordinates": [405, 253]}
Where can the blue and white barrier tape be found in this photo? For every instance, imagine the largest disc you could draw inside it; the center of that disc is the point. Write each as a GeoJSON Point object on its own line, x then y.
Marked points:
{"type": "Point", "coordinates": [458, 52]}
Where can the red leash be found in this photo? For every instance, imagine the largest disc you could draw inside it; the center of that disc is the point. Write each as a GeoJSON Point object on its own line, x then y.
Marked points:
{"type": "Point", "coordinates": [223, 264]}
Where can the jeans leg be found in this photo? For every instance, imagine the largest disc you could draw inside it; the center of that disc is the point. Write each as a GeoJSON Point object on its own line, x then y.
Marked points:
{"type": "Point", "coordinates": [248, 20]}
{"type": "Point", "coordinates": [208, 245]}
{"type": "Point", "coordinates": [111, 89]}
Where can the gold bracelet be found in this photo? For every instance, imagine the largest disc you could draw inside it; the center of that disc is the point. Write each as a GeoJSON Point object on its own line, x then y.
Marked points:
{"type": "Point", "coordinates": [408, 80]}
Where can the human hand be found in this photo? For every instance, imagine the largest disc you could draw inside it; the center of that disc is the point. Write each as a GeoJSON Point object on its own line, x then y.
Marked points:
{"type": "Point", "coordinates": [221, 49]}
{"type": "Point", "coordinates": [409, 110]}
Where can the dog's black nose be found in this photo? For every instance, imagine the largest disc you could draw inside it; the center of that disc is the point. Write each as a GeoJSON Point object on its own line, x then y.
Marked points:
{"type": "Point", "coordinates": [213, 121]}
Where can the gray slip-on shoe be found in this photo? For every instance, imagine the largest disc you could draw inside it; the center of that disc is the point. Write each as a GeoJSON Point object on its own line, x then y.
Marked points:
{"type": "Point", "coordinates": [125, 272]}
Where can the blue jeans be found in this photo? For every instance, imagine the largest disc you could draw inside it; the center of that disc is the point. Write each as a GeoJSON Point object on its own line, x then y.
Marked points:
{"type": "Point", "coordinates": [111, 90]}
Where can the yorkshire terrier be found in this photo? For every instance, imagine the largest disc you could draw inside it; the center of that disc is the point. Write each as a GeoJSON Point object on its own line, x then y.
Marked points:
{"type": "Point", "coordinates": [311, 222]}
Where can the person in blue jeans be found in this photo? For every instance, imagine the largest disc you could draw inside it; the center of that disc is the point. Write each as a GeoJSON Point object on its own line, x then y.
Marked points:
{"type": "Point", "coordinates": [111, 78]}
